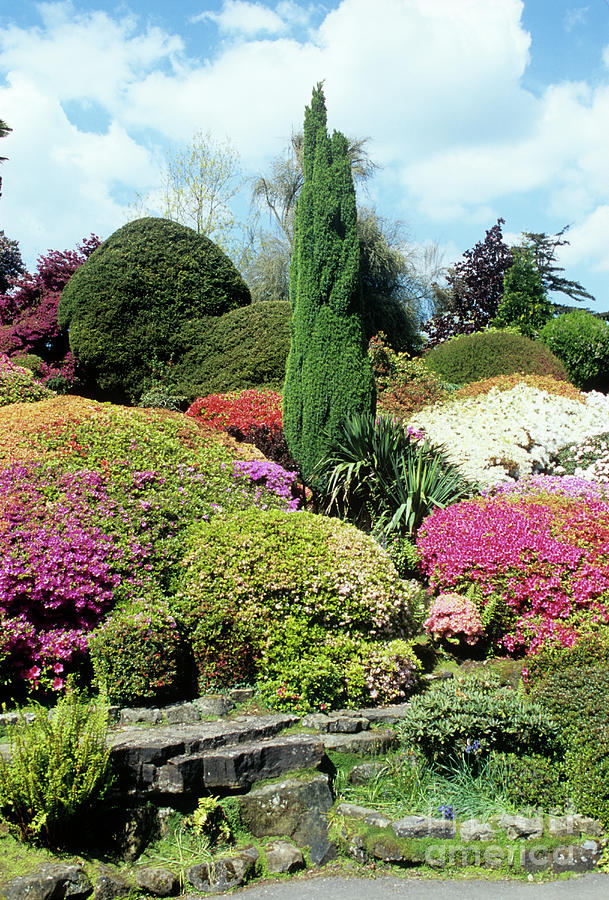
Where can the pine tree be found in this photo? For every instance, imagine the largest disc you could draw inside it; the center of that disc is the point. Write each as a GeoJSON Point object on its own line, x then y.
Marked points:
{"type": "Point", "coordinates": [328, 373]}
{"type": "Point", "coordinates": [524, 302]}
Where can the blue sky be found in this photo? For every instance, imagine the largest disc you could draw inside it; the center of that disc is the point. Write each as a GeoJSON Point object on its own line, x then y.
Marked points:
{"type": "Point", "coordinates": [475, 108]}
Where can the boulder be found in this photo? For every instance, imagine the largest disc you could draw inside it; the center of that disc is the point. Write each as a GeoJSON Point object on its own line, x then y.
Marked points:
{"type": "Point", "coordinates": [109, 885]}
{"type": "Point", "coordinates": [474, 830]}
{"type": "Point", "coordinates": [366, 743]}
{"type": "Point", "coordinates": [157, 881]}
{"type": "Point", "coordinates": [424, 826]}
{"type": "Point", "coordinates": [221, 875]}
{"type": "Point", "coordinates": [283, 858]}
{"type": "Point", "coordinates": [521, 827]}
{"type": "Point", "coordinates": [50, 882]}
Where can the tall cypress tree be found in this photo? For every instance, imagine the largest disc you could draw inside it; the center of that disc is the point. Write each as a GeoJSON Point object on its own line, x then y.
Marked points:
{"type": "Point", "coordinates": [328, 374]}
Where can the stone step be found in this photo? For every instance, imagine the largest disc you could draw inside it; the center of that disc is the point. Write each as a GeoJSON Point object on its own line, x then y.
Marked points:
{"type": "Point", "coordinates": [138, 753]}
{"type": "Point", "coordinates": [238, 767]}
{"type": "Point", "coordinates": [366, 743]}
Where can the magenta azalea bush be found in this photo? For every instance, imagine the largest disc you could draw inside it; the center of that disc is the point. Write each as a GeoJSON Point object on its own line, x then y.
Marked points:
{"type": "Point", "coordinates": [543, 553]}
{"type": "Point", "coordinates": [454, 617]}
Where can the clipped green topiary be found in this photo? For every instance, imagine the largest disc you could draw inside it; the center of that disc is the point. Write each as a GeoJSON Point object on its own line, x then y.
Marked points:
{"type": "Point", "coordinates": [244, 348]}
{"type": "Point", "coordinates": [581, 341]}
{"type": "Point", "coordinates": [485, 354]}
{"type": "Point", "coordinates": [125, 305]}
{"type": "Point", "coordinates": [328, 374]}
{"type": "Point", "coordinates": [138, 655]}
{"type": "Point", "coordinates": [250, 573]}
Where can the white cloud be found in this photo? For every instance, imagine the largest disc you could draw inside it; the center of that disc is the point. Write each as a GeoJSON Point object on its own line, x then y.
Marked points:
{"type": "Point", "coordinates": [588, 241]}
{"type": "Point", "coordinates": [437, 84]}
{"type": "Point", "coordinates": [574, 17]}
{"type": "Point", "coordinates": [241, 17]}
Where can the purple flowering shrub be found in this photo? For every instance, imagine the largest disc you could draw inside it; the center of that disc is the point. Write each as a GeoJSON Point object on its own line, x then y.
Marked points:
{"type": "Point", "coordinates": [271, 476]}
{"type": "Point", "coordinates": [103, 520]}
{"type": "Point", "coordinates": [17, 384]}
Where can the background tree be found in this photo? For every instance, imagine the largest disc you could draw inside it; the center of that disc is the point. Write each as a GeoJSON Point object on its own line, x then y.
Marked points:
{"type": "Point", "coordinates": [11, 266]}
{"type": "Point", "coordinates": [524, 302]}
{"type": "Point", "coordinates": [475, 287]}
{"type": "Point", "coordinates": [4, 130]}
{"type": "Point", "coordinates": [28, 313]}
{"type": "Point", "coordinates": [544, 248]}
{"type": "Point", "coordinates": [328, 373]}
{"type": "Point", "coordinates": [198, 183]}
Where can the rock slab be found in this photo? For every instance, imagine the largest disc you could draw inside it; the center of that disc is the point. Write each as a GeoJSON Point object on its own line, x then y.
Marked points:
{"type": "Point", "coordinates": [52, 882]}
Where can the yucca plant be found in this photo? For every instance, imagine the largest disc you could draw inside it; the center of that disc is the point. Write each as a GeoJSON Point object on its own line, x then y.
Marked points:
{"type": "Point", "coordinates": [384, 479]}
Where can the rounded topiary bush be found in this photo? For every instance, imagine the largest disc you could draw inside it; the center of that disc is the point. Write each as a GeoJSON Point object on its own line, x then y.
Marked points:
{"type": "Point", "coordinates": [244, 348]}
{"type": "Point", "coordinates": [138, 655]}
{"type": "Point", "coordinates": [472, 357]}
{"type": "Point", "coordinates": [581, 341]}
{"type": "Point", "coordinates": [17, 384]}
{"type": "Point", "coordinates": [125, 305]}
{"type": "Point", "coordinates": [250, 574]}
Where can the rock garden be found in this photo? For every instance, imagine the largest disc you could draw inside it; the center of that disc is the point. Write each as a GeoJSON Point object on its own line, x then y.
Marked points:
{"type": "Point", "coordinates": [358, 618]}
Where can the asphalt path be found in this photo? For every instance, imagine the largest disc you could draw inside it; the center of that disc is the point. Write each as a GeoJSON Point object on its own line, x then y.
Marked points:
{"type": "Point", "coordinates": [338, 887]}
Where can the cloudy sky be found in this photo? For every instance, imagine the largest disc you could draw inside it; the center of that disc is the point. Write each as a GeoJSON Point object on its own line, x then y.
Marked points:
{"type": "Point", "coordinates": [475, 108]}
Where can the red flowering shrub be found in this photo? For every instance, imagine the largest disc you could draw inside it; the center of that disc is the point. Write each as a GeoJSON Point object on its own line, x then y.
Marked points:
{"type": "Point", "coordinates": [546, 557]}
{"type": "Point", "coordinates": [452, 616]}
{"type": "Point", "coordinates": [241, 409]}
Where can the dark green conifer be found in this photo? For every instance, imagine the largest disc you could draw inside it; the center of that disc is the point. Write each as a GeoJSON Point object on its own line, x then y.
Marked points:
{"type": "Point", "coordinates": [328, 373]}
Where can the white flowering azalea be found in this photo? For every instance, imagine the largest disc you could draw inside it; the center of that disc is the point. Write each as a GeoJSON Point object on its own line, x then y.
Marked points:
{"type": "Point", "coordinates": [503, 435]}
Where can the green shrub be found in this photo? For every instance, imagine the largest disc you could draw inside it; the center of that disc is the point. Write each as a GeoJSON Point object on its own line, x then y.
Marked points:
{"type": "Point", "coordinates": [581, 341]}
{"type": "Point", "coordinates": [249, 573]}
{"type": "Point", "coordinates": [485, 354]}
{"type": "Point", "coordinates": [161, 397]}
{"type": "Point", "coordinates": [590, 652]}
{"type": "Point", "coordinates": [524, 302]}
{"type": "Point", "coordinates": [404, 385]}
{"type": "Point", "coordinates": [58, 772]}
{"type": "Point", "coordinates": [127, 302]}
{"type": "Point", "coordinates": [17, 384]}
{"type": "Point", "coordinates": [587, 767]}
{"type": "Point", "coordinates": [535, 782]}
{"type": "Point", "coordinates": [138, 655]}
{"type": "Point", "coordinates": [244, 348]}
{"type": "Point", "coordinates": [576, 698]}
{"type": "Point", "coordinates": [305, 667]}
{"type": "Point", "coordinates": [467, 715]}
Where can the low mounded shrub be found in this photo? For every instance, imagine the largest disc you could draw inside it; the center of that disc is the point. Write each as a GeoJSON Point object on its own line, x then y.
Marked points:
{"type": "Point", "coordinates": [139, 656]}
{"type": "Point", "coordinates": [542, 554]}
{"type": "Point", "coordinates": [17, 384]}
{"type": "Point", "coordinates": [466, 715]}
{"type": "Point", "coordinates": [581, 341]}
{"type": "Point", "coordinates": [404, 385]}
{"type": "Point", "coordinates": [242, 410]}
{"type": "Point", "coordinates": [575, 697]}
{"type": "Point", "coordinates": [534, 782]}
{"type": "Point", "coordinates": [588, 458]}
{"type": "Point", "coordinates": [453, 617]}
{"type": "Point", "coordinates": [485, 354]}
{"type": "Point", "coordinates": [249, 573]}
{"type": "Point", "coordinates": [587, 766]}
{"type": "Point", "coordinates": [243, 349]}
{"type": "Point", "coordinates": [547, 383]}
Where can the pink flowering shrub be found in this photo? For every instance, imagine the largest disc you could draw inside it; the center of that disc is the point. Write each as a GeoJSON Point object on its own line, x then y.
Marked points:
{"type": "Point", "coordinates": [268, 475]}
{"type": "Point", "coordinates": [391, 671]}
{"type": "Point", "coordinates": [452, 616]}
{"type": "Point", "coordinates": [545, 555]}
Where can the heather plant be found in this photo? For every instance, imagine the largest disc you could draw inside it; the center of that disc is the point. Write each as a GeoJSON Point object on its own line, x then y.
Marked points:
{"type": "Point", "coordinates": [138, 655]}
{"type": "Point", "coordinates": [548, 383]}
{"type": "Point", "coordinates": [454, 618]}
{"type": "Point", "coordinates": [17, 384]}
{"type": "Point", "coordinates": [58, 771]}
{"type": "Point", "coordinates": [542, 554]}
{"type": "Point", "coordinates": [255, 568]}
